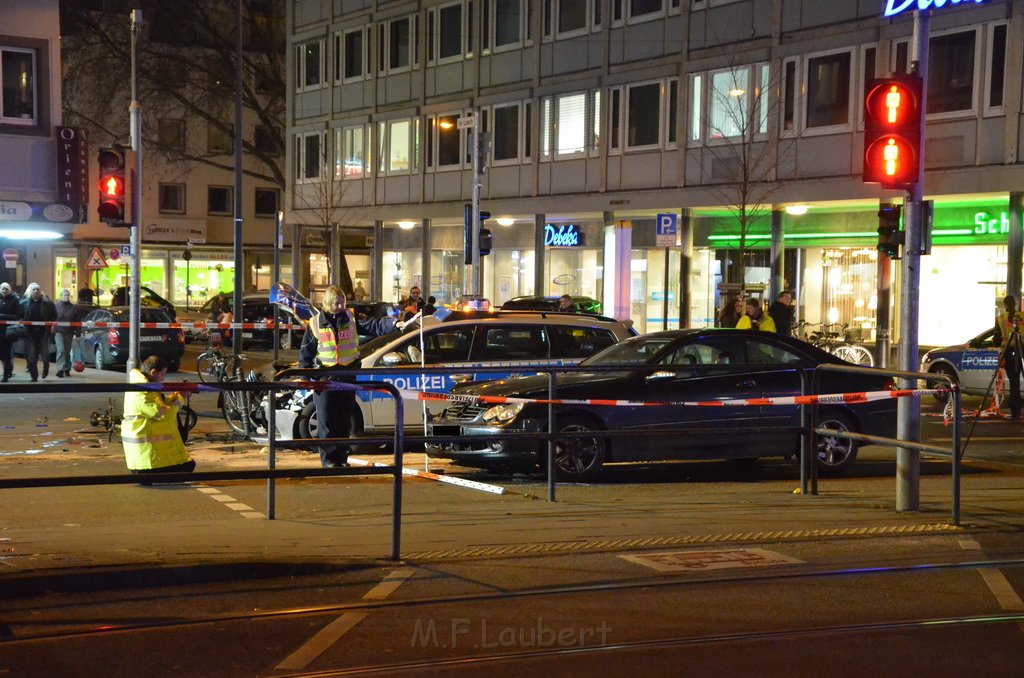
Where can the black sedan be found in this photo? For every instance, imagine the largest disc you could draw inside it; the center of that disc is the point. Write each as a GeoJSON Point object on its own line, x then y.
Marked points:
{"type": "Point", "coordinates": [674, 367]}
{"type": "Point", "coordinates": [107, 347]}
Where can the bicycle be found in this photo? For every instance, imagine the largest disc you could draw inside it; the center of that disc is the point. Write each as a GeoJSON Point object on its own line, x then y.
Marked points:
{"type": "Point", "coordinates": [241, 409]}
{"type": "Point", "coordinates": [834, 341]}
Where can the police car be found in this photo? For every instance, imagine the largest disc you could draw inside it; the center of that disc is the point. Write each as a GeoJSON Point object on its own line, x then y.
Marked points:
{"type": "Point", "coordinates": [462, 341]}
{"type": "Point", "coordinates": [971, 364]}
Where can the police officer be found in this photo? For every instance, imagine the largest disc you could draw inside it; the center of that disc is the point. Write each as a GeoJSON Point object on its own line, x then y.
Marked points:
{"type": "Point", "coordinates": [149, 430]}
{"type": "Point", "coordinates": [332, 340]}
{"type": "Point", "coordinates": [1008, 337]}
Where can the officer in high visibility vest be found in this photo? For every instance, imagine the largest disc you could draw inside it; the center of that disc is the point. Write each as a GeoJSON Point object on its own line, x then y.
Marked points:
{"type": "Point", "coordinates": [332, 340]}
{"type": "Point", "coordinates": [149, 429]}
{"type": "Point", "coordinates": [1008, 335]}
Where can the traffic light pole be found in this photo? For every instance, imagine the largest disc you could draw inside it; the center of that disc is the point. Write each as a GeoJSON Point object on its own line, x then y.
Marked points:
{"type": "Point", "coordinates": [135, 123]}
{"type": "Point", "coordinates": [475, 273]}
{"type": "Point", "coordinates": [908, 424]}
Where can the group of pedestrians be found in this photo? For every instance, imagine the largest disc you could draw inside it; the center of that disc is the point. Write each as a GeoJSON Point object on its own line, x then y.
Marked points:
{"type": "Point", "coordinates": [749, 315]}
{"type": "Point", "coordinates": [37, 307]}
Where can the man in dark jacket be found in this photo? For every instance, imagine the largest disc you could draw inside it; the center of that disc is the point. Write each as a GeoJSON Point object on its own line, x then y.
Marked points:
{"type": "Point", "coordinates": [781, 312]}
{"type": "Point", "coordinates": [35, 306]}
{"type": "Point", "coordinates": [9, 310]}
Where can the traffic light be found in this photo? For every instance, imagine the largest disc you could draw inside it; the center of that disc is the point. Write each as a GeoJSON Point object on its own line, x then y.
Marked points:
{"type": "Point", "coordinates": [112, 185]}
{"type": "Point", "coordinates": [892, 131]}
{"type": "Point", "coordinates": [889, 235]}
{"type": "Point", "coordinates": [485, 235]}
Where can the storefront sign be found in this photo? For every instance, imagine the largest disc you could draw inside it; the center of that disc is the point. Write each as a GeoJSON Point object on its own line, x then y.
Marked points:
{"type": "Point", "coordinates": [894, 7]}
{"type": "Point", "coordinates": [985, 225]}
{"type": "Point", "coordinates": [175, 230]}
{"type": "Point", "coordinates": [53, 213]}
{"type": "Point", "coordinates": [566, 235]}
{"type": "Point", "coordinates": [72, 167]}
{"type": "Point", "coordinates": [315, 239]}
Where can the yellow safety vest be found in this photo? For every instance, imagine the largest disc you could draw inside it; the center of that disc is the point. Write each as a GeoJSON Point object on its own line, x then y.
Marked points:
{"type": "Point", "coordinates": [332, 350]}
{"type": "Point", "coordinates": [149, 430]}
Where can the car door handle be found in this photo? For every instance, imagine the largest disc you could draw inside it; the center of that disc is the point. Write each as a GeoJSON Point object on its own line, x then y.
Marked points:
{"type": "Point", "coordinates": [747, 384]}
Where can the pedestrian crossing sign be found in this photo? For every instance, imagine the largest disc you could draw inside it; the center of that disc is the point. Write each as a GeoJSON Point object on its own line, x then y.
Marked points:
{"type": "Point", "coordinates": [96, 259]}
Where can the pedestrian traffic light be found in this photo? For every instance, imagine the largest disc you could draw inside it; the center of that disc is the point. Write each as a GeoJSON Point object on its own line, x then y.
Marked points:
{"type": "Point", "coordinates": [112, 185]}
{"type": "Point", "coordinates": [889, 235]}
{"type": "Point", "coordinates": [484, 234]}
{"type": "Point", "coordinates": [486, 240]}
{"type": "Point", "coordinates": [892, 131]}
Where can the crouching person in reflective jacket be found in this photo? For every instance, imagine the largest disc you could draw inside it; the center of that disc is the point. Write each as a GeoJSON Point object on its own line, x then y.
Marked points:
{"type": "Point", "coordinates": [149, 430]}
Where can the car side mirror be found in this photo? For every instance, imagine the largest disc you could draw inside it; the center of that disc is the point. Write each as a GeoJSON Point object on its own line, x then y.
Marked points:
{"type": "Point", "coordinates": [661, 375]}
{"type": "Point", "coordinates": [394, 358]}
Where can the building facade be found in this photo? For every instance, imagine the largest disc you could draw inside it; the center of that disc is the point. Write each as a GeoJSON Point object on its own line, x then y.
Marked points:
{"type": "Point", "coordinates": [600, 115]}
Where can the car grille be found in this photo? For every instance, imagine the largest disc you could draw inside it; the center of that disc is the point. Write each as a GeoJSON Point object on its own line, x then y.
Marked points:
{"type": "Point", "coordinates": [464, 411]}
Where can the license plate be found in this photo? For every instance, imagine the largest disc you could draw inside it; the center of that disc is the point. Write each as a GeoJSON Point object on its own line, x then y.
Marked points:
{"type": "Point", "coordinates": [151, 339]}
{"type": "Point", "coordinates": [246, 335]}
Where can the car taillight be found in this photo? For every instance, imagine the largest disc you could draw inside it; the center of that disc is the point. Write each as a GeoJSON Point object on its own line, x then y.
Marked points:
{"type": "Point", "coordinates": [113, 338]}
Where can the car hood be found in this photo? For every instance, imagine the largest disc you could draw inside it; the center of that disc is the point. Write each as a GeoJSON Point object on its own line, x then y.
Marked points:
{"type": "Point", "coordinates": [537, 385]}
{"type": "Point", "coordinates": [936, 352]}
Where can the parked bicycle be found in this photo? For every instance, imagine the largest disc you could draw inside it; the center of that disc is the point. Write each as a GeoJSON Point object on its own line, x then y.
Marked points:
{"type": "Point", "coordinates": [242, 410]}
{"type": "Point", "coordinates": [831, 337]}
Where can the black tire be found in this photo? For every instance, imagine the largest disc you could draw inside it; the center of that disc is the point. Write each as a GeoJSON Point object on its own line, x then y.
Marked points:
{"type": "Point", "coordinates": [307, 421]}
{"type": "Point", "coordinates": [579, 459]}
{"type": "Point", "coordinates": [834, 455]}
{"type": "Point", "coordinates": [948, 371]}
{"type": "Point", "coordinates": [98, 360]}
{"type": "Point", "coordinates": [285, 341]}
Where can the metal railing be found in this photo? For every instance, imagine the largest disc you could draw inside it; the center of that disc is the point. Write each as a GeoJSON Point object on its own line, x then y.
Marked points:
{"type": "Point", "coordinates": [808, 449]}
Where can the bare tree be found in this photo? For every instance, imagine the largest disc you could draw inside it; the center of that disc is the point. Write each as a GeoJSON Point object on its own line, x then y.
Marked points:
{"type": "Point", "coordinates": [186, 74]}
{"type": "Point", "coordinates": [743, 148]}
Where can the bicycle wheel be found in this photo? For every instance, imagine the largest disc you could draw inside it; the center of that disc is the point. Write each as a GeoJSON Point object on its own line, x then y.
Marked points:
{"type": "Point", "coordinates": [235, 407]}
{"type": "Point", "coordinates": [858, 355]}
{"type": "Point", "coordinates": [208, 366]}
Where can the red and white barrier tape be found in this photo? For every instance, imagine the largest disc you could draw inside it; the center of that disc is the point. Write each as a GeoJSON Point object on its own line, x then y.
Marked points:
{"type": "Point", "coordinates": [822, 399]}
{"type": "Point", "coordinates": [197, 325]}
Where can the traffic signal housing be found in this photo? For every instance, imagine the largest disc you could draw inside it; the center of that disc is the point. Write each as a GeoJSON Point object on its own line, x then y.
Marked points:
{"type": "Point", "coordinates": [113, 185]}
{"type": "Point", "coordinates": [889, 235]}
{"type": "Point", "coordinates": [892, 131]}
{"type": "Point", "coordinates": [485, 238]}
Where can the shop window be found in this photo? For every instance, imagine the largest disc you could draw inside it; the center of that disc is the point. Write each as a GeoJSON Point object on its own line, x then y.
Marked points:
{"type": "Point", "coordinates": [643, 126]}
{"type": "Point", "coordinates": [171, 133]}
{"type": "Point", "coordinates": [266, 201]}
{"type": "Point", "coordinates": [219, 137]}
{"type": "Point", "coordinates": [172, 198]}
{"type": "Point", "coordinates": [18, 81]}
{"type": "Point", "coordinates": [951, 72]}
{"type": "Point", "coordinates": [218, 200]}
{"type": "Point", "coordinates": [828, 90]}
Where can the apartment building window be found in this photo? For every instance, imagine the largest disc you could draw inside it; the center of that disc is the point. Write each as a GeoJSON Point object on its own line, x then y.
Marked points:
{"type": "Point", "coordinates": [265, 202]}
{"type": "Point", "coordinates": [572, 16]}
{"type": "Point", "coordinates": [734, 101]}
{"type": "Point", "coordinates": [789, 90]}
{"type": "Point", "coordinates": [672, 117]}
{"type": "Point", "coordinates": [594, 143]}
{"type": "Point", "coordinates": [309, 65]}
{"type": "Point", "coordinates": [951, 72]}
{"type": "Point", "coordinates": [172, 198]}
{"type": "Point", "coordinates": [171, 133]}
{"type": "Point", "coordinates": [869, 62]}
{"type": "Point", "coordinates": [828, 90]}
{"type": "Point", "coordinates": [448, 140]}
{"type": "Point", "coordinates": [508, 22]}
{"type": "Point", "coordinates": [348, 55]}
{"type": "Point", "coordinates": [546, 105]}
{"type": "Point", "coordinates": [571, 124]}
{"type": "Point", "coordinates": [266, 141]}
{"type": "Point", "coordinates": [399, 44]}
{"type": "Point", "coordinates": [350, 153]}
{"type": "Point", "coordinates": [643, 8]}
{"type": "Point", "coordinates": [309, 149]}
{"type": "Point", "coordinates": [696, 108]}
{"type": "Point", "coordinates": [615, 120]}
{"type": "Point", "coordinates": [527, 130]}
{"type": "Point", "coordinates": [399, 151]}
{"type": "Point", "coordinates": [218, 200]}
{"type": "Point", "coordinates": [996, 73]}
{"type": "Point", "coordinates": [219, 138]}
{"type": "Point", "coordinates": [643, 108]}
{"type": "Point", "coordinates": [506, 133]}
{"type": "Point", "coordinates": [18, 81]}
{"type": "Point", "coordinates": [450, 33]}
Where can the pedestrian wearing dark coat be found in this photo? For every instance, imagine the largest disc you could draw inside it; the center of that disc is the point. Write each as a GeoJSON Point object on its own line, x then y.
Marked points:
{"type": "Point", "coordinates": [37, 307]}
{"type": "Point", "coordinates": [64, 334]}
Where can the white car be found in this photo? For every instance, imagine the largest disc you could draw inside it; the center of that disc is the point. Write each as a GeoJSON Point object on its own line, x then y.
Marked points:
{"type": "Point", "coordinates": [461, 341]}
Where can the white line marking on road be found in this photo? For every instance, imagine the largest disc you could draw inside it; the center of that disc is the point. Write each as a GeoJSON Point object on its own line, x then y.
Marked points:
{"type": "Point", "coordinates": [230, 502]}
{"type": "Point", "coordinates": [997, 583]}
{"type": "Point", "coordinates": [323, 639]}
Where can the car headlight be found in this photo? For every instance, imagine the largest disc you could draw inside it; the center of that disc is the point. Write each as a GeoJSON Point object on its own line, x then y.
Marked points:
{"type": "Point", "coordinates": [502, 414]}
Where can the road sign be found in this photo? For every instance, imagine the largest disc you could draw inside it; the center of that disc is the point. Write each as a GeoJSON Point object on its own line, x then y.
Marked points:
{"type": "Point", "coordinates": [96, 259]}
{"type": "Point", "coordinates": [11, 257]}
{"type": "Point", "coordinates": [126, 250]}
{"type": "Point", "coordinates": [466, 122]}
{"type": "Point", "coordinates": [667, 230]}
{"type": "Point", "coordinates": [114, 253]}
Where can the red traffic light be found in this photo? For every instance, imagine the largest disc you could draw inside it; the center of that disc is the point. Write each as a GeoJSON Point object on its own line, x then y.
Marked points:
{"type": "Point", "coordinates": [112, 185]}
{"type": "Point", "coordinates": [892, 131]}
